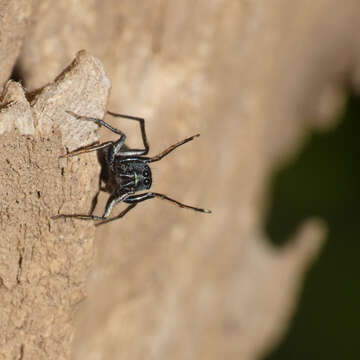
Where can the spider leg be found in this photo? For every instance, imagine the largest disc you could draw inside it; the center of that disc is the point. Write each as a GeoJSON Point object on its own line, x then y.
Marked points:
{"type": "Point", "coordinates": [87, 149]}
{"type": "Point", "coordinates": [96, 121]}
{"type": "Point", "coordinates": [113, 199]}
{"type": "Point", "coordinates": [151, 195]}
{"type": "Point", "coordinates": [142, 128]}
{"type": "Point", "coordinates": [116, 146]}
{"type": "Point", "coordinates": [95, 199]}
{"type": "Point", "coordinates": [171, 148]}
{"type": "Point", "coordinates": [122, 214]}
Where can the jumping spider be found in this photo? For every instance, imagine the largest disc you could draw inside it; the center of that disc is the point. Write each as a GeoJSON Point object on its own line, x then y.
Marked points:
{"type": "Point", "coordinates": [125, 171]}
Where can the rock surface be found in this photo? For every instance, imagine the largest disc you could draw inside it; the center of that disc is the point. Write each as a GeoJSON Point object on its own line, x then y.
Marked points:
{"type": "Point", "coordinates": [44, 263]}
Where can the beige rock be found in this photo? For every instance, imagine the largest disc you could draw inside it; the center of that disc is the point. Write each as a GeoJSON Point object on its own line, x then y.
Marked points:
{"type": "Point", "coordinates": [44, 263]}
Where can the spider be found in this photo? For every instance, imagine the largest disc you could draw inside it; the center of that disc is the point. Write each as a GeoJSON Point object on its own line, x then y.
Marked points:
{"type": "Point", "coordinates": [125, 171]}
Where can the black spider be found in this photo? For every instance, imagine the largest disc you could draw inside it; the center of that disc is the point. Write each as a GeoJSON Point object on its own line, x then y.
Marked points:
{"type": "Point", "coordinates": [125, 171]}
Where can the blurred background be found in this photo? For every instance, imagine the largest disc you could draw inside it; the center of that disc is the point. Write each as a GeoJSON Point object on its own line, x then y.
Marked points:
{"type": "Point", "coordinates": [273, 89]}
{"type": "Point", "coordinates": [323, 181]}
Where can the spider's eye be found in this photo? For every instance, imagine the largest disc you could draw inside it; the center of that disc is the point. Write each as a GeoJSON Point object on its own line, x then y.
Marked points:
{"type": "Point", "coordinates": [146, 173]}
{"type": "Point", "coordinates": [147, 182]}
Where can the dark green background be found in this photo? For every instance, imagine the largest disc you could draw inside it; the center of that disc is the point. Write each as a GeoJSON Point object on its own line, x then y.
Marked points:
{"type": "Point", "coordinates": [324, 181]}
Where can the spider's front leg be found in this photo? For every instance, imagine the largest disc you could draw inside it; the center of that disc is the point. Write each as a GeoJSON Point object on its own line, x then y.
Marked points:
{"type": "Point", "coordinates": [122, 214]}
{"type": "Point", "coordinates": [113, 199]}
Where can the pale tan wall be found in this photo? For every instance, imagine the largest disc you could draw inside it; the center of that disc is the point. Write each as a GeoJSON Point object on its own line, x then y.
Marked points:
{"type": "Point", "coordinates": [253, 77]}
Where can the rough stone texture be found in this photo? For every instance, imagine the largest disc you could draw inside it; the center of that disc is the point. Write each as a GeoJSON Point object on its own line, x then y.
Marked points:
{"type": "Point", "coordinates": [43, 263]}
{"type": "Point", "coordinates": [253, 77]}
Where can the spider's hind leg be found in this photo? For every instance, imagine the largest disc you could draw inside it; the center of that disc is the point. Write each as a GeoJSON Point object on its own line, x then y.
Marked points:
{"type": "Point", "coordinates": [93, 147]}
{"type": "Point", "coordinates": [141, 121]}
{"type": "Point", "coordinates": [96, 121]}
{"type": "Point", "coordinates": [115, 145]}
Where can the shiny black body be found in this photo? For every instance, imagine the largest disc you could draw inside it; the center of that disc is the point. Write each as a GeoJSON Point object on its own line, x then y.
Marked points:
{"type": "Point", "coordinates": [130, 175]}
{"type": "Point", "coordinates": [125, 171]}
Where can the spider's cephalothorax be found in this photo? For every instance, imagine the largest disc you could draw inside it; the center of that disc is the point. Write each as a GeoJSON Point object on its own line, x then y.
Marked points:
{"type": "Point", "coordinates": [132, 175]}
{"type": "Point", "coordinates": [125, 171]}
